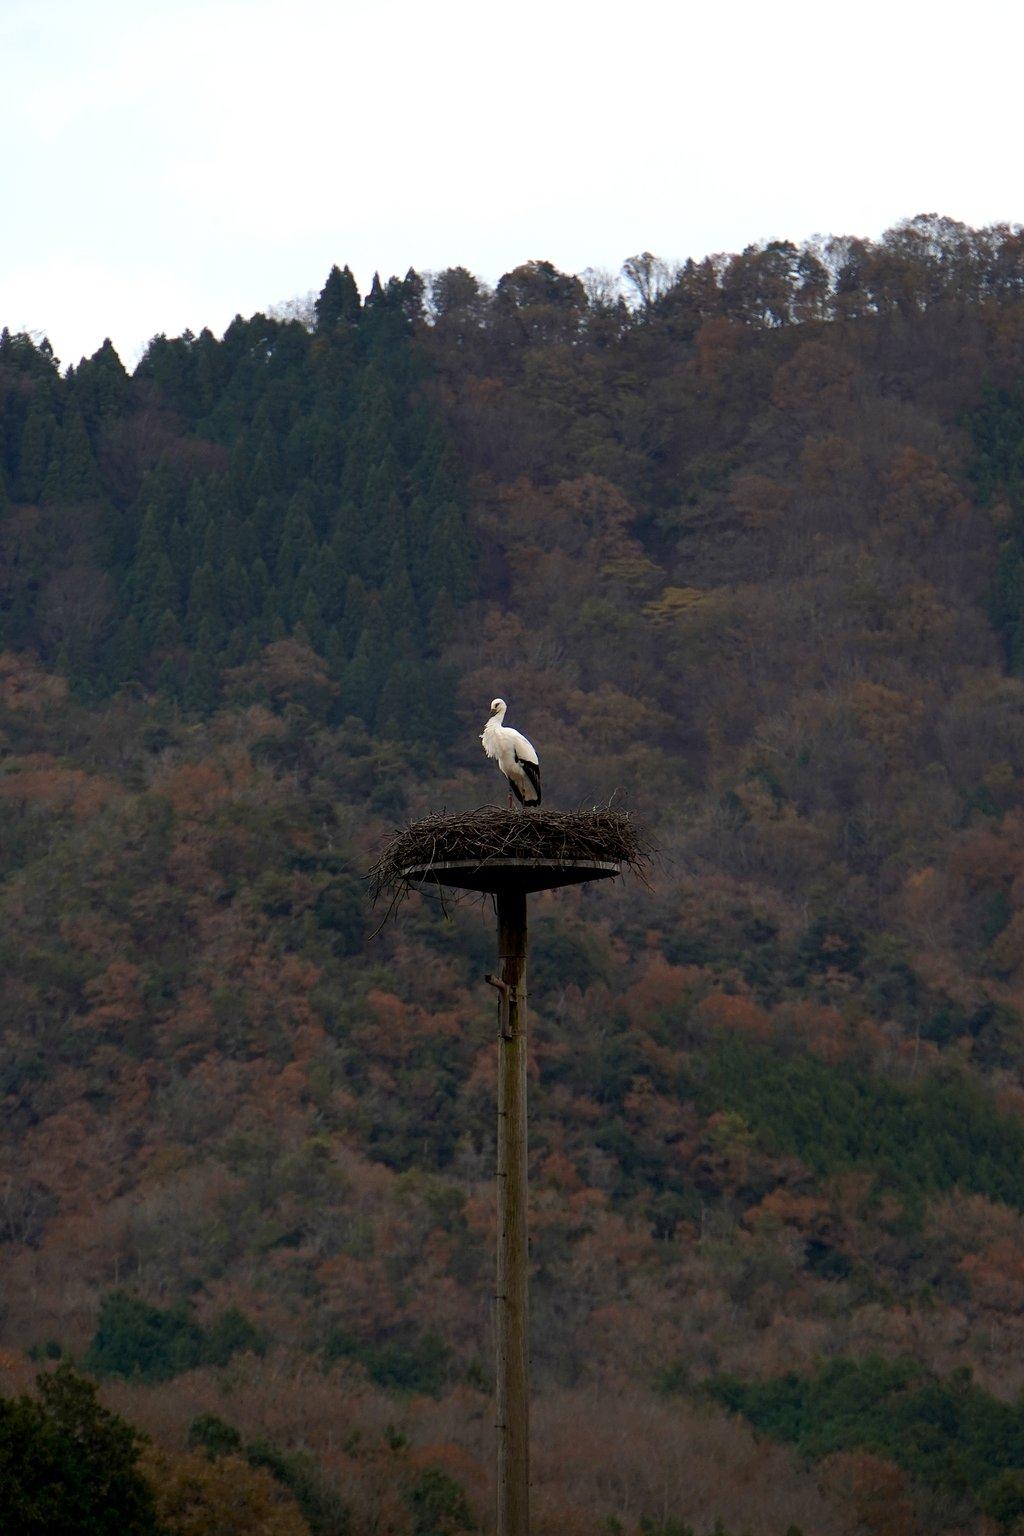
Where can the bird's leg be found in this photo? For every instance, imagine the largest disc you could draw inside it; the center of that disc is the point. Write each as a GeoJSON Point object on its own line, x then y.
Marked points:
{"type": "Point", "coordinates": [510, 800]}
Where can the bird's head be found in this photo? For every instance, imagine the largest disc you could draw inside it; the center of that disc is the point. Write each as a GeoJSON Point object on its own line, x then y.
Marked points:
{"type": "Point", "coordinates": [498, 706]}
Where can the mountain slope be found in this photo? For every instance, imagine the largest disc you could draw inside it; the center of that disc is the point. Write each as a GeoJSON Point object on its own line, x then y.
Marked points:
{"type": "Point", "coordinates": [746, 554]}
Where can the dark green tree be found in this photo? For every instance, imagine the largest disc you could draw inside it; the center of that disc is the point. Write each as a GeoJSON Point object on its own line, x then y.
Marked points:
{"type": "Point", "coordinates": [212, 1434]}
{"type": "Point", "coordinates": [439, 1505]}
{"type": "Point", "coordinates": [338, 301]}
{"type": "Point", "coordinates": [205, 615]}
{"type": "Point", "coordinates": [35, 449]}
{"type": "Point", "coordinates": [152, 583]}
{"type": "Point", "coordinates": [201, 688]}
{"type": "Point", "coordinates": [68, 1466]}
{"type": "Point", "coordinates": [102, 388]}
{"type": "Point", "coordinates": [135, 1339]}
{"type": "Point", "coordinates": [72, 475]}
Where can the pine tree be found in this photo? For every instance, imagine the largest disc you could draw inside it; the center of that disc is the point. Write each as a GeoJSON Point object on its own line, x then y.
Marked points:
{"type": "Point", "coordinates": [398, 603]}
{"type": "Point", "coordinates": [296, 552]}
{"type": "Point", "coordinates": [338, 301]}
{"type": "Point", "coordinates": [34, 451]}
{"type": "Point", "coordinates": [201, 691]}
{"type": "Point", "coordinates": [414, 702]}
{"type": "Point", "coordinates": [80, 478]}
{"type": "Point", "coordinates": [204, 617]}
{"type": "Point", "coordinates": [311, 619]}
{"type": "Point", "coordinates": [152, 585]}
{"type": "Point", "coordinates": [450, 557]}
{"type": "Point", "coordinates": [400, 704]}
{"type": "Point", "coordinates": [236, 595]}
{"type": "Point", "coordinates": [368, 436]}
{"type": "Point", "coordinates": [326, 457]}
{"type": "Point", "coordinates": [235, 648]}
{"type": "Point", "coordinates": [166, 646]}
{"type": "Point", "coordinates": [328, 581]}
{"type": "Point", "coordinates": [212, 552]}
{"type": "Point", "coordinates": [334, 652]}
{"type": "Point", "coordinates": [259, 585]}
{"type": "Point", "coordinates": [102, 388]}
{"type": "Point", "coordinates": [127, 651]}
{"type": "Point", "coordinates": [168, 632]}
{"type": "Point", "coordinates": [197, 512]}
{"type": "Point", "coordinates": [266, 519]}
{"type": "Point", "coordinates": [443, 620]}
{"type": "Point", "coordinates": [361, 683]}
{"type": "Point", "coordinates": [410, 295]}
{"type": "Point", "coordinates": [382, 519]}
{"type": "Point", "coordinates": [355, 615]}
{"type": "Point", "coordinates": [181, 553]}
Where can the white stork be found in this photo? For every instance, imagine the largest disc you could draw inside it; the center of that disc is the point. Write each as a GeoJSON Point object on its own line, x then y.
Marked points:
{"type": "Point", "coordinates": [514, 755]}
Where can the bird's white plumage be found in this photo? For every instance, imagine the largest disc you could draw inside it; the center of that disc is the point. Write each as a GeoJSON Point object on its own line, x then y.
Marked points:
{"type": "Point", "coordinates": [511, 750]}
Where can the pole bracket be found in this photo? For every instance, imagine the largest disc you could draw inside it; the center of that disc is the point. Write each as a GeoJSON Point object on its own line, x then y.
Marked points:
{"type": "Point", "coordinates": [508, 997]}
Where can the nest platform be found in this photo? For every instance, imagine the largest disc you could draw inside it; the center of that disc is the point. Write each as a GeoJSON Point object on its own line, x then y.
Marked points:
{"type": "Point", "coordinates": [495, 850]}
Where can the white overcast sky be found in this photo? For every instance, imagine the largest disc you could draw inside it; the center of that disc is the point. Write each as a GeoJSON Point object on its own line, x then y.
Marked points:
{"type": "Point", "coordinates": [167, 164]}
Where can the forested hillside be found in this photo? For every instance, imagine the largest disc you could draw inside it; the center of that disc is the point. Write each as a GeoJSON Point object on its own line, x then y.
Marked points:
{"type": "Point", "coordinates": [742, 544]}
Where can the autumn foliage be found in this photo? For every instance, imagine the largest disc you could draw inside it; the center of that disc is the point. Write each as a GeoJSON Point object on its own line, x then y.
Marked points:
{"type": "Point", "coordinates": [742, 543]}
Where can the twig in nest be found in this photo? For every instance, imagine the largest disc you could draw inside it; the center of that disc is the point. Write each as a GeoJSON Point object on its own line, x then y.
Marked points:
{"type": "Point", "coordinates": [491, 834]}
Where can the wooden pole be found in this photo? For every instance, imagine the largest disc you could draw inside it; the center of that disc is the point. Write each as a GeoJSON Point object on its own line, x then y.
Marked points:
{"type": "Point", "coordinates": [511, 1312]}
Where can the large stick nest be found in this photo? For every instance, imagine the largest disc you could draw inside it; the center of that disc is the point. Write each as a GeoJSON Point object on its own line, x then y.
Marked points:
{"type": "Point", "coordinates": [491, 834]}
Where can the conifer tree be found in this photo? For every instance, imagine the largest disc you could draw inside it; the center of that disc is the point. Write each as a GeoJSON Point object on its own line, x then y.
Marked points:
{"type": "Point", "coordinates": [441, 625]}
{"type": "Point", "coordinates": [296, 553]}
{"type": "Point", "coordinates": [382, 518]}
{"type": "Point", "coordinates": [165, 489]}
{"type": "Point", "coordinates": [205, 617]}
{"type": "Point", "coordinates": [168, 631]}
{"type": "Point", "coordinates": [235, 648]}
{"type": "Point", "coordinates": [236, 597]}
{"type": "Point", "coordinates": [181, 554]}
{"type": "Point", "coordinates": [360, 685]}
{"type": "Point", "coordinates": [81, 475]}
{"type": "Point", "coordinates": [35, 448]}
{"type": "Point", "coordinates": [411, 291]}
{"type": "Point", "coordinates": [338, 301]}
{"type": "Point", "coordinates": [334, 652]}
{"type": "Point", "coordinates": [259, 586]}
{"type": "Point", "coordinates": [152, 585]}
{"type": "Point", "coordinates": [212, 552]}
{"type": "Point", "coordinates": [266, 521]}
{"type": "Point", "coordinates": [102, 388]}
{"type": "Point", "coordinates": [312, 619]}
{"type": "Point", "coordinates": [343, 544]}
{"type": "Point", "coordinates": [127, 651]}
{"type": "Point", "coordinates": [201, 692]}
{"type": "Point", "coordinates": [355, 615]}
{"type": "Point", "coordinates": [398, 604]}
{"type": "Point", "coordinates": [449, 555]}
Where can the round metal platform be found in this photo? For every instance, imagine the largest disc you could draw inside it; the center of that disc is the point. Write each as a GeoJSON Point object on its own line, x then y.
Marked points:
{"type": "Point", "coordinates": [505, 874]}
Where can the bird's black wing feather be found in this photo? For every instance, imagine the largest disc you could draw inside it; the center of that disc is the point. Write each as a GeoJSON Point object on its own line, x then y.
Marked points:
{"type": "Point", "coordinates": [514, 787]}
{"type": "Point", "coordinates": [532, 771]}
